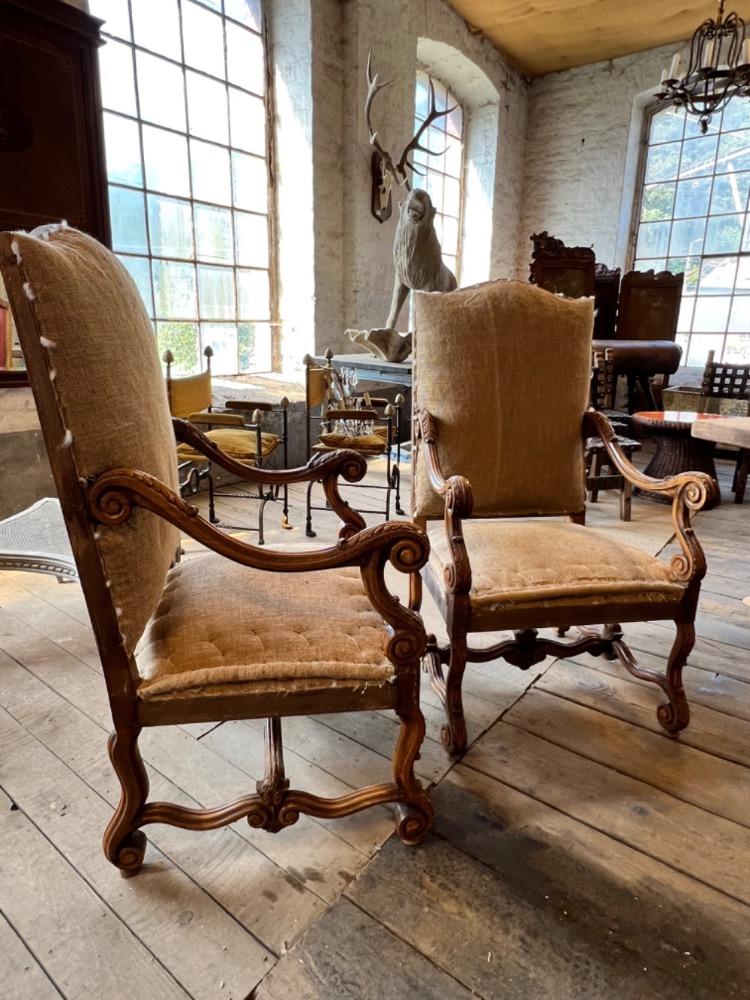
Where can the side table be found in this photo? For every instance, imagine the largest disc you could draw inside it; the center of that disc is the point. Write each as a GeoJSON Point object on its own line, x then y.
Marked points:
{"type": "Point", "coordinates": [676, 449]}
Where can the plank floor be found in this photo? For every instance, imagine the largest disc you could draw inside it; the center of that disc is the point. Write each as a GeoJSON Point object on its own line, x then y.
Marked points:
{"type": "Point", "coordinates": [578, 854]}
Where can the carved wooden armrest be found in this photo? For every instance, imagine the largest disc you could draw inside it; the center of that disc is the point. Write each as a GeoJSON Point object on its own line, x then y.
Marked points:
{"type": "Point", "coordinates": [459, 503]}
{"type": "Point", "coordinates": [210, 418]}
{"type": "Point", "coordinates": [689, 492]}
{"type": "Point", "coordinates": [324, 468]}
{"type": "Point", "coordinates": [112, 496]}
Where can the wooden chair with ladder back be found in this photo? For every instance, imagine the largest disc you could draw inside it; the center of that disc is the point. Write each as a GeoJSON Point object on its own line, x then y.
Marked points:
{"type": "Point", "coordinates": [235, 632]}
{"type": "Point", "coordinates": [328, 405]}
{"type": "Point", "coordinates": [724, 381]}
{"type": "Point", "coordinates": [191, 398]}
{"type": "Point", "coordinates": [514, 552]}
{"type": "Point", "coordinates": [602, 399]}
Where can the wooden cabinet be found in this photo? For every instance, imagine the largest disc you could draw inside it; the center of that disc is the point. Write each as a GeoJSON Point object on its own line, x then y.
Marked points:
{"type": "Point", "coordinates": [52, 163]}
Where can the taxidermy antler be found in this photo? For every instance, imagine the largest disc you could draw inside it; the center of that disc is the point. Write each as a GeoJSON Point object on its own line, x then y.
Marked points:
{"type": "Point", "coordinates": [417, 256]}
{"type": "Point", "coordinates": [386, 172]}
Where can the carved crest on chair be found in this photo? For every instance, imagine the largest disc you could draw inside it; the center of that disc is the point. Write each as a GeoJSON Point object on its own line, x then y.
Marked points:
{"type": "Point", "coordinates": [549, 246]}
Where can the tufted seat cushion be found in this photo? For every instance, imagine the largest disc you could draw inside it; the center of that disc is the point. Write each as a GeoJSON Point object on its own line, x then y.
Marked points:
{"type": "Point", "coordinates": [240, 444]}
{"type": "Point", "coordinates": [550, 563]}
{"type": "Point", "coordinates": [375, 443]}
{"type": "Point", "coordinates": [220, 623]}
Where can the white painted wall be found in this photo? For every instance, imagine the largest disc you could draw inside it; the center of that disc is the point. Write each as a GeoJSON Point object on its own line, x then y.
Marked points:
{"type": "Point", "coordinates": [584, 131]}
{"type": "Point", "coordinates": [335, 259]}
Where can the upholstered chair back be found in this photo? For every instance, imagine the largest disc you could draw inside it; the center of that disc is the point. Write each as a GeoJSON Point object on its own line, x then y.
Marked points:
{"type": "Point", "coordinates": [504, 369]}
{"type": "Point", "coordinates": [100, 394]}
{"type": "Point", "coordinates": [189, 394]}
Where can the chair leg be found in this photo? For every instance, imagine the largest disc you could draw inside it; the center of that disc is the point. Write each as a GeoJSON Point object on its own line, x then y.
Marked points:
{"type": "Point", "coordinates": [285, 512]}
{"type": "Point", "coordinates": [414, 812]}
{"type": "Point", "coordinates": [599, 458]}
{"type": "Point", "coordinates": [262, 505]}
{"type": "Point", "coordinates": [124, 844]}
{"type": "Point", "coordinates": [647, 391]}
{"type": "Point", "coordinates": [397, 484]}
{"type": "Point", "coordinates": [675, 715]}
{"type": "Point", "coordinates": [626, 499]}
{"type": "Point", "coordinates": [211, 501]}
{"type": "Point", "coordinates": [741, 473]}
{"type": "Point", "coordinates": [308, 516]}
{"type": "Point", "coordinates": [631, 393]}
{"type": "Point", "coordinates": [453, 734]}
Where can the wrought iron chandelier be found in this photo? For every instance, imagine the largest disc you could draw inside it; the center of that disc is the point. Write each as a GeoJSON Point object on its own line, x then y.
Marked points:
{"type": "Point", "coordinates": [719, 69]}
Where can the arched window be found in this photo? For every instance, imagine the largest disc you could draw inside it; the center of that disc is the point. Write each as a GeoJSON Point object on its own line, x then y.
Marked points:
{"type": "Point", "coordinates": [442, 176]}
{"type": "Point", "coordinates": [693, 217]}
{"type": "Point", "coordinates": [184, 96]}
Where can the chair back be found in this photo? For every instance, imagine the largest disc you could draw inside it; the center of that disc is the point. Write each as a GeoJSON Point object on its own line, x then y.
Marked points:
{"type": "Point", "coordinates": [560, 269]}
{"type": "Point", "coordinates": [606, 295]}
{"type": "Point", "coordinates": [649, 305]}
{"type": "Point", "coordinates": [722, 380]}
{"type": "Point", "coordinates": [97, 382]}
{"type": "Point", "coordinates": [504, 369]}
{"type": "Point", "coordinates": [188, 394]}
{"type": "Point", "coordinates": [603, 380]}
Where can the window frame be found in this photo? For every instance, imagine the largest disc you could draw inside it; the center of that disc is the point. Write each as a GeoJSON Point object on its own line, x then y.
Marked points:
{"type": "Point", "coordinates": [649, 113]}
{"type": "Point", "coordinates": [417, 179]}
{"type": "Point", "coordinates": [273, 322]}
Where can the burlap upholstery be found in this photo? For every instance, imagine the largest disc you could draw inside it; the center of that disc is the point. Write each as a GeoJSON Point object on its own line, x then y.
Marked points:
{"type": "Point", "coordinates": [237, 443]}
{"type": "Point", "coordinates": [504, 369]}
{"type": "Point", "coordinates": [221, 623]}
{"type": "Point", "coordinates": [111, 394]}
{"type": "Point", "coordinates": [542, 563]}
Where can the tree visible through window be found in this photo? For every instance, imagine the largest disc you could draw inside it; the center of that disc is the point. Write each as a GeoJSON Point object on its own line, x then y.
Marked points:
{"type": "Point", "coordinates": [693, 217]}
{"type": "Point", "coordinates": [183, 86]}
{"type": "Point", "coordinates": [442, 175]}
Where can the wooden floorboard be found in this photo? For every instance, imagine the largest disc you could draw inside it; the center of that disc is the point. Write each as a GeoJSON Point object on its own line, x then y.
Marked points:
{"type": "Point", "coordinates": [579, 853]}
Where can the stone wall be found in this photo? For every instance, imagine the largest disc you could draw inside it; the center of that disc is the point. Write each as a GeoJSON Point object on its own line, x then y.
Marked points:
{"type": "Point", "coordinates": [584, 131]}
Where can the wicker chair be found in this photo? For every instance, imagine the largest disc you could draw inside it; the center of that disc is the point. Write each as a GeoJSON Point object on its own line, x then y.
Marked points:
{"type": "Point", "coordinates": [489, 574]}
{"type": "Point", "coordinates": [236, 632]}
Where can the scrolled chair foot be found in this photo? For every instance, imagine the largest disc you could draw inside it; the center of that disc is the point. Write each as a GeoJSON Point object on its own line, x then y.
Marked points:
{"type": "Point", "coordinates": [674, 715]}
{"type": "Point", "coordinates": [414, 821]}
{"type": "Point", "coordinates": [454, 739]}
{"type": "Point", "coordinates": [129, 853]}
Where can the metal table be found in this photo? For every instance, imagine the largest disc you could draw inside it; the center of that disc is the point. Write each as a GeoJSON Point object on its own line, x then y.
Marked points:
{"type": "Point", "coordinates": [372, 369]}
{"type": "Point", "coordinates": [36, 540]}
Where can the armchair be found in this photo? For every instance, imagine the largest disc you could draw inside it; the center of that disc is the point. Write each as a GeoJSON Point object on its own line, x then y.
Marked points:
{"type": "Point", "coordinates": [236, 632]}
{"type": "Point", "coordinates": [191, 398]}
{"type": "Point", "coordinates": [488, 573]}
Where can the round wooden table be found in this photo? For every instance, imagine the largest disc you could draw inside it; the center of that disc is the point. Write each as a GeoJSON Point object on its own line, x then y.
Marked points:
{"type": "Point", "coordinates": [676, 450]}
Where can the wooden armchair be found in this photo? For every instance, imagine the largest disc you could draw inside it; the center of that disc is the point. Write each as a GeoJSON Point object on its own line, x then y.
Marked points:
{"type": "Point", "coordinates": [191, 398]}
{"type": "Point", "coordinates": [326, 408]}
{"type": "Point", "coordinates": [486, 451]}
{"type": "Point", "coordinates": [236, 632]}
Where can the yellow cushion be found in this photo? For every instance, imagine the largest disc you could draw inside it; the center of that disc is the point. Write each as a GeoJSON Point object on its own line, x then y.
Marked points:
{"type": "Point", "coordinates": [221, 623]}
{"type": "Point", "coordinates": [375, 442]}
{"type": "Point", "coordinates": [239, 444]}
{"type": "Point", "coordinates": [504, 368]}
{"type": "Point", "coordinates": [528, 563]}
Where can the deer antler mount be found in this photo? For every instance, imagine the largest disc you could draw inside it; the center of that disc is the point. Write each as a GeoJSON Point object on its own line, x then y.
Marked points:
{"type": "Point", "coordinates": [387, 173]}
